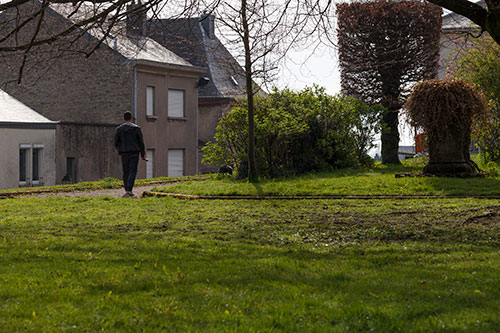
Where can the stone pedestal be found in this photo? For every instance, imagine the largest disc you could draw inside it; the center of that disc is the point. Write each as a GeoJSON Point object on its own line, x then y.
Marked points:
{"type": "Point", "coordinates": [447, 158]}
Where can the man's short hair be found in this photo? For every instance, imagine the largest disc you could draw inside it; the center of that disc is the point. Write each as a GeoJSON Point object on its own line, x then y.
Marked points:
{"type": "Point", "coordinates": [127, 115]}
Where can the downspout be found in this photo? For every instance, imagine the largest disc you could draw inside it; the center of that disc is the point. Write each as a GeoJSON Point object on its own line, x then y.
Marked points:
{"type": "Point", "coordinates": [135, 92]}
{"type": "Point", "coordinates": [197, 133]}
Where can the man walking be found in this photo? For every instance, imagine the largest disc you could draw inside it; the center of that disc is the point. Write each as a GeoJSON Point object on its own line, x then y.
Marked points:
{"type": "Point", "coordinates": [129, 143]}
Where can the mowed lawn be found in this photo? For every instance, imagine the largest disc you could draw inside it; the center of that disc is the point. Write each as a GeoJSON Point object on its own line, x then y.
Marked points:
{"type": "Point", "coordinates": [163, 264]}
{"type": "Point", "coordinates": [379, 180]}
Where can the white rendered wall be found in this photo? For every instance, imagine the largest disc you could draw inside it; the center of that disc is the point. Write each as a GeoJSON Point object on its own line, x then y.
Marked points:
{"type": "Point", "coordinates": [10, 141]}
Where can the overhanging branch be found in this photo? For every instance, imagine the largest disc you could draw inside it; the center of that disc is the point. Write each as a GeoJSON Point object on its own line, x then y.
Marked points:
{"type": "Point", "coordinates": [472, 11]}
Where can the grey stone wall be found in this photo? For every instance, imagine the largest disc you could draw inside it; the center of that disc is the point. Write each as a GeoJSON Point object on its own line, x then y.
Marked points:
{"type": "Point", "coordinates": [91, 147]}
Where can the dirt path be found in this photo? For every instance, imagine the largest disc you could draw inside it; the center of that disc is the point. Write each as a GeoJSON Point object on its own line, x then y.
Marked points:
{"type": "Point", "coordinates": [117, 193]}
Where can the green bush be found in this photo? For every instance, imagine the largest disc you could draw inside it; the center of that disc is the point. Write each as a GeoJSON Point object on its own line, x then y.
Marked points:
{"type": "Point", "coordinates": [297, 132]}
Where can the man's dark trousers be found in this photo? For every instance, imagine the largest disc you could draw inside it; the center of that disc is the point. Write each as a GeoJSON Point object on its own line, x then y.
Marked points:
{"type": "Point", "coordinates": [129, 164]}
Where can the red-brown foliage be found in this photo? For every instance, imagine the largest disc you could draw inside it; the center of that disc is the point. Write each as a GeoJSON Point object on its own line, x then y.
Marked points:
{"type": "Point", "coordinates": [443, 108]}
{"type": "Point", "coordinates": [384, 48]}
{"type": "Point", "coordinates": [386, 45]}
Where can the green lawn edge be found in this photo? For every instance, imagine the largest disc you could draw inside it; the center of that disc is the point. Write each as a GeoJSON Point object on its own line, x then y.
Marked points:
{"type": "Point", "coordinates": [378, 181]}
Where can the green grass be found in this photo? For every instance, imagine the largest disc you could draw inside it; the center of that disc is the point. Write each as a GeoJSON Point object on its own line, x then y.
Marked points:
{"type": "Point", "coordinates": [319, 265]}
{"type": "Point", "coordinates": [379, 180]}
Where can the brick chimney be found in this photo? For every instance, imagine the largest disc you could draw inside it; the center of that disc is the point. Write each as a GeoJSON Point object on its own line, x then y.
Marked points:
{"type": "Point", "coordinates": [208, 24]}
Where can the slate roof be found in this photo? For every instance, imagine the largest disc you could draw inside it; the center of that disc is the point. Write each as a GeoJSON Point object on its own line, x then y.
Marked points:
{"type": "Point", "coordinates": [13, 112]}
{"type": "Point", "coordinates": [453, 22]}
{"type": "Point", "coordinates": [131, 48]}
{"type": "Point", "coordinates": [190, 39]}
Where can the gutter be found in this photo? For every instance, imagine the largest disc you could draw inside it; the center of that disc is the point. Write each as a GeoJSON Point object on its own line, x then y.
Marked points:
{"type": "Point", "coordinates": [27, 125]}
{"type": "Point", "coordinates": [163, 65]}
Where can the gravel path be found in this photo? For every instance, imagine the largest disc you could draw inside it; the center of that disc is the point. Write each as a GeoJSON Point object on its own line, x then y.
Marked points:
{"type": "Point", "coordinates": [117, 193]}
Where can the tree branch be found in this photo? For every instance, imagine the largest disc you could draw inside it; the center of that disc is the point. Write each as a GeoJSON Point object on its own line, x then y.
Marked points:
{"type": "Point", "coordinates": [472, 11]}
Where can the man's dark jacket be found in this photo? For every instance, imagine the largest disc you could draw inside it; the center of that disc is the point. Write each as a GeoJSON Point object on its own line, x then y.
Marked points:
{"type": "Point", "coordinates": [128, 139]}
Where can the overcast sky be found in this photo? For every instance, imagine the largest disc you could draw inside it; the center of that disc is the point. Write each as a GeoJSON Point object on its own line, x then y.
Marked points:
{"type": "Point", "coordinates": [302, 69]}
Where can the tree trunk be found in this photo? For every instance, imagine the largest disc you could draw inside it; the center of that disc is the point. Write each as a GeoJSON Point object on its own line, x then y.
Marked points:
{"type": "Point", "coordinates": [252, 170]}
{"type": "Point", "coordinates": [390, 137]}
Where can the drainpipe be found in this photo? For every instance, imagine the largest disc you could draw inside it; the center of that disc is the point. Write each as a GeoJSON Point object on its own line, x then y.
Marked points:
{"type": "Point", "coordinates": [197, 134]}
{"type": "Point", "coordinates": [135, 92]}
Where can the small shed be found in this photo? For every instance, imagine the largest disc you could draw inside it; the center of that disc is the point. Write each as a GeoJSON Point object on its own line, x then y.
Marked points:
{"type": "Point", "coordinates": [27, 145]}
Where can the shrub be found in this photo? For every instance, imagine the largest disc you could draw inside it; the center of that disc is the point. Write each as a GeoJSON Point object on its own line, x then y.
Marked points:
{"type": "Point", "coordinates": [297, 132]}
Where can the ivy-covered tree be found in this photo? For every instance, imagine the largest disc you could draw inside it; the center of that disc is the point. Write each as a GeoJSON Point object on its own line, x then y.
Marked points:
{"type": "Point", "coordinates": [384, 48]}
{"type": "Point", "coordinates": [446, 111]}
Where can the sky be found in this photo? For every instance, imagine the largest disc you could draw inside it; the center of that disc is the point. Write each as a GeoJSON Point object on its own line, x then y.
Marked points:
{"type": "Point", "coordinates": [301, 69]}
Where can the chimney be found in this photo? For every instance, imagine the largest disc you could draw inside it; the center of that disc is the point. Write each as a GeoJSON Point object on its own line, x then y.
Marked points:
{"type": "Point", "coordinates": [136, 19]}
{"type": "Point", "coordinates": [208, 24]}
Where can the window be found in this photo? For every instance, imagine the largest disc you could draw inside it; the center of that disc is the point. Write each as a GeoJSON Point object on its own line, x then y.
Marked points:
{"type": "Point", "coordinates": [176, 103]}
{"type": "Point", "coordinates": [30, 164]}
{"type": "Point", "coordinates": [36, 169]}
{"type": "Point", "coordinates": [150, 101]}
{"type": "Point", "coordinates": [149, 163]}
{"type": "Point", "coordinates": [175, 162]}
{"type": "Point", "coordinates": [23, 165]}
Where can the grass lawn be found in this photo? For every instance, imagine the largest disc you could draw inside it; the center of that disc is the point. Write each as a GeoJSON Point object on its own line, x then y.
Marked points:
{"type": "Point", "coordinates": [379, 180]}
{"type": "Point", "coordinates": [163, 264]}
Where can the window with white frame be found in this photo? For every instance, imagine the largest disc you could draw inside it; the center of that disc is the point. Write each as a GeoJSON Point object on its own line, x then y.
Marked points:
{"type": "Point", "coordinates": [24, 165]}
{"type": "Point", "coordinates": [30, 164]}
{"type": "Point", "coordinates": [150, 101]}
{"type": "Point", "coordinates": [36, 164]}
{"type": "Point", "coordinates": [150, 154]}
{"type": "Point", "coordinates": [176, 103]}
{"type": "Point", "coordinates": [175, 162]}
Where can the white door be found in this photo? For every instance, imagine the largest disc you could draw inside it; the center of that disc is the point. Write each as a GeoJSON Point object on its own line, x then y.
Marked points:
{"type": "Point", "coordinates": [149, 164]}
{"type": "Point", "coordinates": [175, 162]}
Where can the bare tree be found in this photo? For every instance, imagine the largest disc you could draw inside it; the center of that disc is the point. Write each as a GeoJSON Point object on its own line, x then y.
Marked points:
{"type": "Point", "coordinates": [266, 31]}
{"type": "Point", "coordinates": [384, 48]}
{"type": "Point", "coordinates": [488, 19]}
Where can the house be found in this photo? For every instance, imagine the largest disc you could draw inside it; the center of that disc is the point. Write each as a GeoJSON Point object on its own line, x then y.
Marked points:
{"type": "Point", "coordinates": [194, 40]}
{"type": "Point", "coordinates": [88, 95]}
{"type": "Point", "coordinates": [455, 33]}
{"type": "Point", "coordinates": [27, 145]}
{"type": "Point", "coordinates": [405, 152]}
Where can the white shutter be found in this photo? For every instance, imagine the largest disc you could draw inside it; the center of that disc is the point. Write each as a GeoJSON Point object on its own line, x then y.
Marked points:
{"type": "Point", "coordinates": [176, 103]}
{"type": "Point", "coordinates": [175, 162]}
{"type": "Point", "coordinates": [149, 164]}
{"type": "Point", "coordinates": [150, 101]}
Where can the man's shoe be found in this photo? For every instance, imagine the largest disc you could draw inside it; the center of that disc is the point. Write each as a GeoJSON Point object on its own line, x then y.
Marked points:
{"type": "Point", "coordinates": [126, 195]}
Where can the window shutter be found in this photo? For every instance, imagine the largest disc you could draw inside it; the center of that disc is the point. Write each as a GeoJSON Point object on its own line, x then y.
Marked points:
{"type": "Point", "coordinates": [175, 162]}
{"type": "Point", "coordinates": [150, 101]}
{"type": "Point", "coordinates": [149, 163]}
{"type": "Point", "coordinates": [176, 103]}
